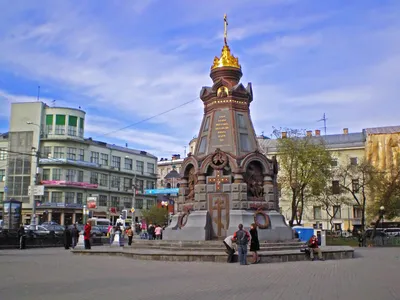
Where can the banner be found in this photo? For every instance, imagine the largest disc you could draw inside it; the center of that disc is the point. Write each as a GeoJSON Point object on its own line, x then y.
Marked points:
{"type": "Point", "coordinates": [70, 183]}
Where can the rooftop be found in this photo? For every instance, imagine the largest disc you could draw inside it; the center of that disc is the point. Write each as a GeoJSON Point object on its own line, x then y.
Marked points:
{"type": "Point", "coordinates": [383, 130]}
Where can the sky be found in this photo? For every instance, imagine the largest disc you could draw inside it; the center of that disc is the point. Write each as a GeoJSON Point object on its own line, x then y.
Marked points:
{"type": "Point", "coordinates": [127, 62]}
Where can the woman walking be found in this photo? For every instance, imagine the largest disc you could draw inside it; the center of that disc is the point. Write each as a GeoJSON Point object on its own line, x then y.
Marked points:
{"type": "Point", "coordinates": [254, 244]}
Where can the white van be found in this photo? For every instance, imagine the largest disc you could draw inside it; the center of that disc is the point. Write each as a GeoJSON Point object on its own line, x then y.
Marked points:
{"type": "Point", "coordinates": [100, 222]}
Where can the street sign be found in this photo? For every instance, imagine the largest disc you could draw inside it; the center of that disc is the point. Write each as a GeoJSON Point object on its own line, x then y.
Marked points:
{"type": "Point", "coordinates": [132, 210]}
{"type": "Point", "coordinates": [161, 191]}
{"type": "Point", "coordinates": [38, 190]}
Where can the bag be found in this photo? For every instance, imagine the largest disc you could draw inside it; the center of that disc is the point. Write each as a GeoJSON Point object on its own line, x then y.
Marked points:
{"type": "Point", "coordinates": [241, 237]}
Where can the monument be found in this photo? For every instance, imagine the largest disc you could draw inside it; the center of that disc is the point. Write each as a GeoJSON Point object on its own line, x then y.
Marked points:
{"type": "Point", "coordinates": [227, 181]}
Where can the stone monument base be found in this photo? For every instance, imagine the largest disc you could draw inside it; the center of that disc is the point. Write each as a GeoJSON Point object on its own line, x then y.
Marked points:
{"type": "Point", "coordinates": [197, 226]}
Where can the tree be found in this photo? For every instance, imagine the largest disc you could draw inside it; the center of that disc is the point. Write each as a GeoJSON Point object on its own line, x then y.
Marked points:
{"type": "Point", "coordinates": [385, 191]}
{"type": "Point", "coordinates": [328, 199]}
{"type": "Point", "coordinates": [304, 164]}
{"type": "Point", "coordinates": [356, 180]}
{"type": "Point", "coordinates": [156, 215]}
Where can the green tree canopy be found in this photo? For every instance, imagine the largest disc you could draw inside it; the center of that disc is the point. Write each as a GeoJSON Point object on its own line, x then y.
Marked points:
{"type": "Point", "coordinates": [156, 215]}
{"type": "Point", "coordinates": [304, 166]}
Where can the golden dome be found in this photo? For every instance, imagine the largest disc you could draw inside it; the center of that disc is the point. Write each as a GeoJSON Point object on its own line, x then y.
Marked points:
{"type": "Point", "coordinates": [226, 59]}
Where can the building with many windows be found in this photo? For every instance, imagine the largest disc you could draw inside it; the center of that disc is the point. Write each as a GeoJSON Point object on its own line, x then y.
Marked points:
{"type": "Point", "coordinates": [72, 169]}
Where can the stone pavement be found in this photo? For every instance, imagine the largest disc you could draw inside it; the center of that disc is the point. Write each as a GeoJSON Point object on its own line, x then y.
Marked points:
{"type": "Point", "coordinates": [58, 275]}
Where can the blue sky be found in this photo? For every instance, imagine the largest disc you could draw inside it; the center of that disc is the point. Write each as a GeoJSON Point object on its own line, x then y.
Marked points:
{"type": "Point", "coordinates": [124, 61]}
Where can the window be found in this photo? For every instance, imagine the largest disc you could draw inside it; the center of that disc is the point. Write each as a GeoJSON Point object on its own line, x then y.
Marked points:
{"type": "Point", "coordinates": [2, 175]}
{"type": "Point", "coordinates": [317, 212]}
{"type": "Point", "coordinates": [150, 168]}
{"type": "Point", "coordinates": [203, 144]}
{"type": "Point", "coordinates": [94, 177]}
{"type": "Point", "coordinates": [140, 166]}
{"type": "Point", "coordinates": [207, 124]}
{"type": "Point", "coordinates": [81, 154]}
{"type": "Point", "coordinates": [103, 200]}
{"type": "Point", "coordinates": [149, 203]}
{"type": "Point", "coordinates": [60, 124]}
{"type": "Point", "coordinates": [103, 179]}
{"type": "Point", "coordinates": [150, 185]}
{"type": "Point", "coordinates": [353, 161]}
{"type": "Point", "coordinates": [128, 164]}
{"type": "Point", "coordinates": [57, 174]}
{"type": "Point", "coordinates": [357, 212]}
{"type": "Point", "coordinates": [46, 197]}
{"type": "Point", "coordinates": [116, 162]}
{"type": "Point", "coordinates": [127, 183]}
{"type": "Point", "coordinates": [94, 158]}
{"type": "Point", "coordinates": [140, 186]}
{"type": "Point", "coordinates": [81, 122]}
{"type": "Point", "coordinates": [241, 122]}
{"type": "Point", "coordinates": [337, 214]}
{"type": "Point", "coordinates": [46, 152]}
{"type": "Point", "coordinates": [244, 142]}
{"type": "Point", "coordinates": [104, 159]}
{"type": "Point", "coordinates": [334, 162]}
{"type": "Point", "coordinates": [127, 202]}
{"type": "Point", "coordinates": [115, 181]}
{"type": "Point", "coordinates": [70, 176]}
{"type": "Point", "coordinates": [139, 203]}
{"type": "Point", "coordinates": [114, 201]}
{"type": "Point", "coordinates": [49, 124]}
{"type": "Point", "coordinates": [56, 197]}
{"type": "Point", "coordinates": [69, 197]}
{"type": "Point", "coordinates": [3, 154]}
{"type": "Point", "coordinates": [58, 152]}
{"type": "Point", "coordinates": [79, 198]}
{"type": "Point", "coordinates": [71, 153]}
{"type": "Point", "coordinates": [72, 125]}
{"type": "Point", "coordinates": [355, 185]}
{"type": "Point", "coordinates": [80, 176]}
{"type": "Point", "coordinates": [46, 174]}
{"type": "Point", "coordinates": [335, 187]}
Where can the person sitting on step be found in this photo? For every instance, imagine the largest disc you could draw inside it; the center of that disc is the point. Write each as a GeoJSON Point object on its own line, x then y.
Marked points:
{"type": "Point", "coordinates": [230, 248]}
{"type": "Point", "coordinates": [313, 245]}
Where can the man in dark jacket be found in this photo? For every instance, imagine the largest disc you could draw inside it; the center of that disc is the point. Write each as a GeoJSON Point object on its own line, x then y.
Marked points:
{"type": "Point", "coordinates": [242, 238]}
{"type": "Point", "coordinates": [67, 238]}
{"type": "Point", "coordinates": [22, 237]}
{"type": "Point", "coordinates": [75, 236]}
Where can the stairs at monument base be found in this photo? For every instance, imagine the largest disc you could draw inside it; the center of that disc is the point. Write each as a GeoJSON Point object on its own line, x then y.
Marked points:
{"type": "Point", "coordinates": [329, 253]}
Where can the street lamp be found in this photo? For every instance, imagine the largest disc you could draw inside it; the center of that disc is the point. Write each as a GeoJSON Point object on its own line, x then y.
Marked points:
{"type": "Point", "coordinates": [34, 178]}
{"type": "Point", "coordinates": [134, 187]}
{"type": "Point", "coordinates": [381, 215]}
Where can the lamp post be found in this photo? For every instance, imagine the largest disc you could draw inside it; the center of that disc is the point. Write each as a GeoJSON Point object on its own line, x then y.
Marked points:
{"type": "Point", "coordinates": [381, 216]}
{"type": "Point", "coordinates": [134, 187]}
{"type": "Point", "coordinates": [34, 178]}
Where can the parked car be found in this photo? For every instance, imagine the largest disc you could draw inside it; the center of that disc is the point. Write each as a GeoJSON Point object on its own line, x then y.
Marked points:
{"type": "Point", "coordinates": [57, 229]}
{"type": "Point", "coordinates": [49, 223]}
{"type": "Point", "coordinates": [36, 230]}
{"type": "Point", "coordinates": [103, 228]}
{"type": "Point", "coordinates": [96, 231]}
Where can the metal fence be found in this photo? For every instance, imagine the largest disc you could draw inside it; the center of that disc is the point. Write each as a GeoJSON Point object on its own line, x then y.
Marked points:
{"type": "Point", "coordinates": [386, 241]}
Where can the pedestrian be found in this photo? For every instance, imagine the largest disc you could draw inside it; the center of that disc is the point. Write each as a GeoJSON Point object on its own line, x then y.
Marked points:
{"type": "Point", "coordinates": [111, 233]}
{"type": "Point", "coordinates": [313, 245]}
{"type": "Point", "coordinates": [150, 231]}
{"type": "Point", "coordinates": [75, 236]}
{"type": "Point", "coordinates": [254, 243]}
{"type": "Point", "coordinates": [158, 232]}
{"type": "Point", "coordinates": [129, 233]}
{"type": "Point", "coordinates": [22, 237]}
{"type": "Point", "coordinates": [86, 235]}
{"type": "Point", "coordinates": [67, 238]}
{"type": "Point", "coordinates": [230, 248]}
{"type": "Point", "coordinates": [242, 237]}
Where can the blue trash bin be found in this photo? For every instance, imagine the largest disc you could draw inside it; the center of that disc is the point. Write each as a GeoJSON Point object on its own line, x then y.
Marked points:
{"type": "Point", "coordinates": [305, 233]}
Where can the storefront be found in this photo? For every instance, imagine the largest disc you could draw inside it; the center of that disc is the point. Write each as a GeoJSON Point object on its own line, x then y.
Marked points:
{"type": "Point", "coordinates": [61, 213]}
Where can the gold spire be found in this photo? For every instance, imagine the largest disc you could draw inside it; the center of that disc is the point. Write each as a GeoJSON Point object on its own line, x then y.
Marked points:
{"type": "Point", "coordinates": [226, 59]}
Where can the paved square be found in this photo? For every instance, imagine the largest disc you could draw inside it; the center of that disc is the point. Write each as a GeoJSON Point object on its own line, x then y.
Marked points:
{"type": "Point", "coordinates": [57, 274]}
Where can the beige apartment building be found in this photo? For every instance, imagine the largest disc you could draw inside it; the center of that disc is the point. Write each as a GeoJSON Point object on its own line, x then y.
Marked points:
{"type": "Point", "coordinates": [74, 171]}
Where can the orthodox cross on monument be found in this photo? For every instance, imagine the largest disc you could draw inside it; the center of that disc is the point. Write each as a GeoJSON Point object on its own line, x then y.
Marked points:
{"type": "Point", "coordinates": [219, 205]}
{"type": "Point", "coordinates": [219, 179]}
{"type": "Point", "coordinates": [225, 29]}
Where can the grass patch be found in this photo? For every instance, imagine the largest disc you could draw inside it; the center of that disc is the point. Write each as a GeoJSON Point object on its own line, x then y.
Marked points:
{"type": "Point", "coordinates": [342, 241]}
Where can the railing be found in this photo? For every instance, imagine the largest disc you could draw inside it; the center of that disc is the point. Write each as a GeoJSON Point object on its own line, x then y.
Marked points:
{"type": "Point", "coordinates": [385, 241]}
